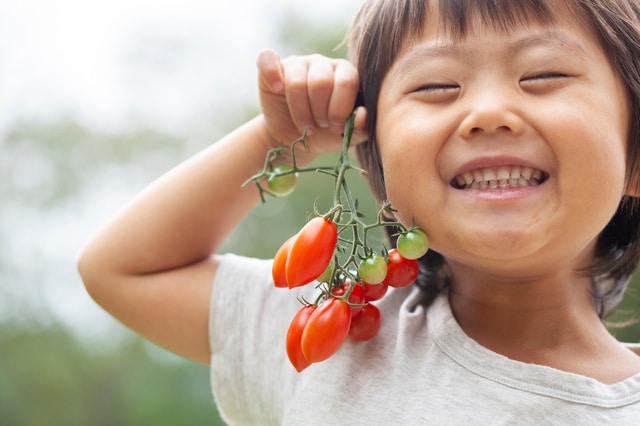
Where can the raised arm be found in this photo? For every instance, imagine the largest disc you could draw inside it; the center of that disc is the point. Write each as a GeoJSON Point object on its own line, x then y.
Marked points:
{"type": "Point", "coordinates": [152, 267]}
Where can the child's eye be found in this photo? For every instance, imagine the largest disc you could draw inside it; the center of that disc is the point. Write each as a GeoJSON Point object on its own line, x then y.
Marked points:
{"type": "Point", "coordinates": [437, 88]}
{"type": "Point", "coordinates": [543, 82]}
{"type": "Point", "coordinates": [545, 77]}
{"type": "Point", "coordinates": [437, 92]}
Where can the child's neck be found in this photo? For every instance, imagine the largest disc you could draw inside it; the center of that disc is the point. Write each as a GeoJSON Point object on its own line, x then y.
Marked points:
{"type": "Point", "coordinates": [548, 321]}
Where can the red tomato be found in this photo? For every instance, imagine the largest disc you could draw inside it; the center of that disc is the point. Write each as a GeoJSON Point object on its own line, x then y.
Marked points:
{"type": "Point", "coordinates": [279, 263]}
{"type": "Point", "coordinates": [311, 252]}
{"type": "Point", "coordinates": [401, 272]}
{"type": "Point", "coordinates": [294, 337]}
{"type": "Point", "coordinates": [366, 325]}
{"type": "Point", "coordinates": [356, 297]}
{"type": "Point", "coordinates": [326, 330]}
{"type": "Point", "coordinates": [374, 292]}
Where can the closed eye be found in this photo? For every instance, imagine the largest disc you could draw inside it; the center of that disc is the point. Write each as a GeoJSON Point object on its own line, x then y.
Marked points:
{"type": "Point", "coordinates": [438, 88]}
{"type": "Point", "coordinates": [541, 83]}
{"type": "Point", "coordinates": [437, 92]}
{"type": "Point", "coordinates": [544, 77]}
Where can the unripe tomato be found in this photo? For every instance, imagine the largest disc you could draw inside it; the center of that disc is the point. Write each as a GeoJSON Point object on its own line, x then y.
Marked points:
{"type": "Point", "coordinates": [311, 251]}
{"type": "Point", "coordinates": [326, 276]}
{"type": "Point", "coordinates": [326, 330]}
{"type": "Point", "coordinates": [294, 338]}
{"type": "Point", "coordinates": [413, 244]}
{"type": "Point", "coordinates": [401, 272]}
{"type": "Point", "coordinates": [373, 269]}
{"type": "Point", "coordinates": [366, 325]}
{"type": "Point", "coordinates": [282, 185]}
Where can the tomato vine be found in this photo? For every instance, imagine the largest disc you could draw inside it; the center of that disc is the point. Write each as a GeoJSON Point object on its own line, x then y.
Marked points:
{"type": "Point", "coordinates": [333, 250]}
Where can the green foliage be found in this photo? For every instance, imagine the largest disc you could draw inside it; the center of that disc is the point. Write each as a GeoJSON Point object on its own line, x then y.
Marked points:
{"type": "Point", "coordinates": [47, 163]}
{"type": "Point", "coordinates": [304, 36]}
{"type": "Point", "coordinates": [49, 378]}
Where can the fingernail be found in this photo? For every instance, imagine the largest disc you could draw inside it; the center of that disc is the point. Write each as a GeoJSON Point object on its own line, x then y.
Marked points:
{"type": "Point", "coordinates": [323, 124]}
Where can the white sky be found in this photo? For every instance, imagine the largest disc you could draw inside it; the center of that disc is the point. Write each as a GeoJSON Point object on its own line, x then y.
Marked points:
{"type": "Point", "coordinates": [157, 60]}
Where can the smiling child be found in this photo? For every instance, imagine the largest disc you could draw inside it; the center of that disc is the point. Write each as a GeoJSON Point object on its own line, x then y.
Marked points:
{"type": "Point", "coordinates": [509, 131]}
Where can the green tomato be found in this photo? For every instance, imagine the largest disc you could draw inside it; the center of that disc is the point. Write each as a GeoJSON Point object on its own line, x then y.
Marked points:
{"type": "Point", "coordinates": [412, 244]}
{"type": "Point", "coordinates": [328, 273]}
{"type": "Point", "coordinates": [373, 269]}
{"type": "Point", "coordinates": [282, 185]}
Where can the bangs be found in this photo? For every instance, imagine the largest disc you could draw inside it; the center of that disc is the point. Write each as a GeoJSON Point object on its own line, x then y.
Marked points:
{"type": "Point", "coordinates": [459, 16]}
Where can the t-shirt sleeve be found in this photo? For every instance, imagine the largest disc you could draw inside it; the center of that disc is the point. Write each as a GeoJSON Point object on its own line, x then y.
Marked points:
{"type": "Point", "coordinates": [251, 376]}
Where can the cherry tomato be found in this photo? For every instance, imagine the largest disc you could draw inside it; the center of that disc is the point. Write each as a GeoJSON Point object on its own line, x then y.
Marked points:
{"type": "Point", "coordinates": [413, 244]}
{"type": "Point", "coordinates": [326, 330]}
{"type": "Point", "coordinates": [356, 297]}
{"type": "Point", "coordinates": [282, 185]}
{"type": "Point", "coordinates": [375, 291]}
{"type": "Point", "coordinates": [294, 337]}
{"type": "Point", "coordinates": [401, 272]}
{"type": "Point", "coordinates": [279, 263]}
{"type": "Point", "coordinates": [373, 269]}
{"type": "Point", "coordinates": [366, 325]}
{"type": "Point", "coordinates": [311, 252]}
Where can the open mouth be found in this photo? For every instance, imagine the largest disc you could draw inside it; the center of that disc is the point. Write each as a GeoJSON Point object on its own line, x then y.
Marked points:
{"type": "Point", "coordinates": [503, 177]}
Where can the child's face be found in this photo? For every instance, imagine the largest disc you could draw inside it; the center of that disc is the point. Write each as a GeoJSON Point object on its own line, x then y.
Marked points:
{"type": "Point", "coordinates": [540, 107]}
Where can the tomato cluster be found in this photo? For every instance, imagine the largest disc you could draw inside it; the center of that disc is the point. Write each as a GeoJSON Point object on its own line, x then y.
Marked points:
{"type": "Point", "coordinates": [347, 271]}
{"type": "Point", "coordinates": [344, 311]}
{"type": "Point", "coordinates": [317, 332]}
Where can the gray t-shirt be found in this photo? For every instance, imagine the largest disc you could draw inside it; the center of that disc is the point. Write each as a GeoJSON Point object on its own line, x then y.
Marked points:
{"type": "Point", "coordinates": [421, 369]}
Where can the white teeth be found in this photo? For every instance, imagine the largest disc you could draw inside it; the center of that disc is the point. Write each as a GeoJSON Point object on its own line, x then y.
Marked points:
{"type": "Point", "coordinates": [468, 178]}
{"type": "Point", "coordinates": [537, 175]}
{"type": "Point", "coordinates": [489, 174]}
{"type": "Point", "coordinates": [503, 173]}
{"type": "Point", "coordinates": [503, 177]}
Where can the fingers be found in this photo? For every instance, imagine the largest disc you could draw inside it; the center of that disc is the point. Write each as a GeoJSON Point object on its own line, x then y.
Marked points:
{"type": "Point", "coordinates": [296, 71]}
{"type": "Point", "coordinates": [320, 92]}
{"type": "Point", "coordinates": [320, 84]}
{"type": "Point", "coordinates": [343, 97]}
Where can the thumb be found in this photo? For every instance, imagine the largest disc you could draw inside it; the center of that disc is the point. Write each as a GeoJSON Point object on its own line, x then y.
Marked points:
{"type": "Point", "coordinates": [270, 76]}
{"type": "Point", "coordinates": [360, 133]}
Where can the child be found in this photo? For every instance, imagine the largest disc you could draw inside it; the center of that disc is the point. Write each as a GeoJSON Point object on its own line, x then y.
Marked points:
{"type": "Point", "coordinates": [509, 132]}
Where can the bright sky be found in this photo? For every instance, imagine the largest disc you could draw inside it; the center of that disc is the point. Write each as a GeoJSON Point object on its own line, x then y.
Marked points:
{"type": "Point", "coordinates": [159, 60]}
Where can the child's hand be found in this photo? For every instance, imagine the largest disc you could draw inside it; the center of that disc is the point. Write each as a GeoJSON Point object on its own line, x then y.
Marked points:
{"type": "Point", "coordinates": [312, 93]}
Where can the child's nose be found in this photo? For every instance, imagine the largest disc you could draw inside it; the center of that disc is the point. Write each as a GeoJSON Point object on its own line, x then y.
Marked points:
{"type": "Point", "coordinates": [491, 111]}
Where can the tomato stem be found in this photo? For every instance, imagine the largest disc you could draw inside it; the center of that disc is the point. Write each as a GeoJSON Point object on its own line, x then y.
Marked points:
{"type": "Point", "coordinates": [347, 215]}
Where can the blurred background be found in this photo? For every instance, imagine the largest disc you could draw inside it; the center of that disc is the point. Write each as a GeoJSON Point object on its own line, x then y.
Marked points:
{"type": "Point", "coordinates": [97, 99]}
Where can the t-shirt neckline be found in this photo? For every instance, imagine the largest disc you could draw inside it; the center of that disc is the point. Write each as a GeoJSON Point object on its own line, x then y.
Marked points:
{"type": "Point", "coordinates": [538, 379]}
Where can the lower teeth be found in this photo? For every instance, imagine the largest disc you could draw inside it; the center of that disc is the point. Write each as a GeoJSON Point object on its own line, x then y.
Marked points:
{"type": "Point", "coordinates": [502, 184]}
